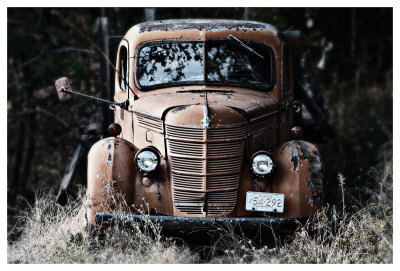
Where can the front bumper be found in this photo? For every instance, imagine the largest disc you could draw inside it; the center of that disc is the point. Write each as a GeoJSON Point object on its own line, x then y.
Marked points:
{"type": "Point", "coordinates": [195, 224]}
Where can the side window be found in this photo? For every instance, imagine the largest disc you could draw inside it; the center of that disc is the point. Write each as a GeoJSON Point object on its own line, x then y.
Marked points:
{"type": "Point", "coordinates": [123, 68]}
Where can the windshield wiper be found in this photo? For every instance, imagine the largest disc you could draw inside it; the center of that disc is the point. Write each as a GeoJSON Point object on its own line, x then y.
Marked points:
{"type": "Point", "coordinates": [248, 48]}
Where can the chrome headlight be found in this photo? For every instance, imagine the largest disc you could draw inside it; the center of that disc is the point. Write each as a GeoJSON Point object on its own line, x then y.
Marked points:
{"type": "Point", "coordinates": [147, 160]}
{"type": "Point", "coordinates": [262, 164]}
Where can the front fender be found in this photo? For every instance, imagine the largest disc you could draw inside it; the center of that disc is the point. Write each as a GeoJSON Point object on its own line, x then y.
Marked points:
{"type": "Point", "coordinates": [110, 178]}
{"type": "Point", "coordinates": [299, 175]}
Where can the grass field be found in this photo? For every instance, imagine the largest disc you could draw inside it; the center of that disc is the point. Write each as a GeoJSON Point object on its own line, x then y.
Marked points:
{"type": "Point", "coordinates": [55, 234]}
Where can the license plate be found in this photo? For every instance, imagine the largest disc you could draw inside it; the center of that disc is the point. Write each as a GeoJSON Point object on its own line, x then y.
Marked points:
{"type": "Point", "coordinates": [264, 202]}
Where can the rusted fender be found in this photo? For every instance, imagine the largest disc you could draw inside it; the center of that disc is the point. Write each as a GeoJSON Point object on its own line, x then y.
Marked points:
{"type": "Point", "coordinates": [299, 175]}
{"type": "Point", "coordinates": [111, 171]}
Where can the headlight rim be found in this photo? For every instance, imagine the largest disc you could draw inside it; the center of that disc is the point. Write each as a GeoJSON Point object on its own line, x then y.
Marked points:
{"type": "Point", "coordinates": [260, 153]}
{"type": "Point", "coordinates": [153, 150]}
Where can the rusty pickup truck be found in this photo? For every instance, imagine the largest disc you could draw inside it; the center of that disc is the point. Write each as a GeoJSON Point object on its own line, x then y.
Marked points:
{"type": "Point", "coordinates": [203, 131]}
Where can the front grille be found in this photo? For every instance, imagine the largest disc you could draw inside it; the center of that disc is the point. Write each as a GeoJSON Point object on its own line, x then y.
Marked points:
{"type": "Point", "coordinates": [184, 132]}
{"type": "Point", "coordinates": [225, 148]}
{"type": "Point", "coordinates": [227, 133]}
{"type": "Point", "coordinates": [222, 165]}
{"type": "Point", "coordinates": [188, 197]}
{"type": "Point", "coordinates": [205, 166]}
{"type": "Point", "coordinates": [223, 182]}
{"type": "Point", "coordinates": [191, 210]}
{"type": "Point", "coordinates": [222, 197]}
{"type": "Point", "coordinates": [149, 122]}
{"type": "Point", "coordinates": [187, 165]}
{"type": "Point", "coordinates": [184, 181]}
{"type": "Point", "coordinates": [186, 148]}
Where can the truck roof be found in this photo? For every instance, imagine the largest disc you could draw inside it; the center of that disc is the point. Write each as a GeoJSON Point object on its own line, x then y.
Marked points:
{"type": "Point", "coordinates": [203, 24]}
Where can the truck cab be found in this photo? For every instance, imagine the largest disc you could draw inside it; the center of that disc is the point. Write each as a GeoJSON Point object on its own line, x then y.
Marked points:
{"type": "Point", "coordinates": [205, 130]}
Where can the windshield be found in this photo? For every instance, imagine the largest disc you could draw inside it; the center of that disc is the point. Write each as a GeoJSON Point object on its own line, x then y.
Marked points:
{"type": "Point", "coordinates": [162, 64]}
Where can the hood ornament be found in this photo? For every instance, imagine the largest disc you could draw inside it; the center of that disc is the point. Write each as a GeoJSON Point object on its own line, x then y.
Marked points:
{"type": "Point", "coordinates": [206, 121]}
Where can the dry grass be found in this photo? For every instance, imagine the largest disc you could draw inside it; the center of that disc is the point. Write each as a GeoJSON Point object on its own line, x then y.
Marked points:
{"type": "Point", "coordinates": [55, 234]}
{"type": "Point", "coordinates": [362, 237]}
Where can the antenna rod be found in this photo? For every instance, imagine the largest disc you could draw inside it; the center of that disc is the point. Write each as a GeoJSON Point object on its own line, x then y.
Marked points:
{"type": "Point", "coordinates": [241, 43]}
{"type": "Point", "coordinates": [63, 89]}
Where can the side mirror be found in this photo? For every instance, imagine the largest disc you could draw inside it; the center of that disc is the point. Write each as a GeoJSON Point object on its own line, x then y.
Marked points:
{"type": "Point", "coordinates": [61, 85]}
{"type": "Point", "coordinates": [64, 92]}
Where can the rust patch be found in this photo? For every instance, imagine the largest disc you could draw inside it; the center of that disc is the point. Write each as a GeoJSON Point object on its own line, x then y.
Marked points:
{"type": "Point", "coordinates": [300, 151]}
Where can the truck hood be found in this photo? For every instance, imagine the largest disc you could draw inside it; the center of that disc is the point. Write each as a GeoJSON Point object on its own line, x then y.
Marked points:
{"type": "Point", "coordinates": [250, 105]}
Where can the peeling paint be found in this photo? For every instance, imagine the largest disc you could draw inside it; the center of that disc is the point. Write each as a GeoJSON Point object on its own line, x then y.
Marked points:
{"type": "Point", "coordinates": [107, 141]}
{"type": "Point", "coordinates": [206, 121]}
{"type": "Point", "coordinates": [109, 159]}
{"type": "Point", "coordinates": [179, 108]}
{"type": "Point", "coordinates": [159, 196]}
{"type": "Point", "coordinates": [300, 151]}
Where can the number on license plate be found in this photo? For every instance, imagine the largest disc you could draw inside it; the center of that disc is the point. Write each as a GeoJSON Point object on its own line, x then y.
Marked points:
{"type": "Point", "coordinates": [264, 202]}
